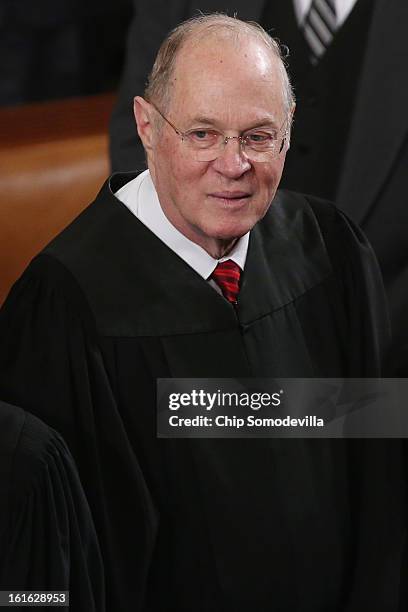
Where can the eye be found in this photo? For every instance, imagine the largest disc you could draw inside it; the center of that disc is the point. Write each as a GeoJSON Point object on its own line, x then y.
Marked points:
{"type": "Point", "coordinates": [260, 137]}
{"type": "Point", "coordinates": [200, 134]}
{"type": "Point", "coordinates": [204, 136]}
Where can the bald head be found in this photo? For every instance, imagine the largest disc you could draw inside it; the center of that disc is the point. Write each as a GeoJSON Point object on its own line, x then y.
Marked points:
{"type": "Point", "coordinates": [215, 32]}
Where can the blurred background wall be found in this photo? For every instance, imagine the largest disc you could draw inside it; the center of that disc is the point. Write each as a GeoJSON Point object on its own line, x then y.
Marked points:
{"type": "Point", "coordinates": [58, 48]}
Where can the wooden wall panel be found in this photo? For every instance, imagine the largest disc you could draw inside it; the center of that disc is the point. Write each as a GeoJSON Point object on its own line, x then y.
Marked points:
{"type": "Point", "coordinates": [53, 160]}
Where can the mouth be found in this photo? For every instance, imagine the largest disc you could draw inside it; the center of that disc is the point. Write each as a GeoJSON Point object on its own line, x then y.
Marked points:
{"type": "Point", "coordinates": [231, 199]}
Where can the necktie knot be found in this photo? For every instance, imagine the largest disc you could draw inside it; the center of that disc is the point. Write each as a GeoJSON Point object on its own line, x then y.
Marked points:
{"type": "Point", "coordinates": [227, 275]}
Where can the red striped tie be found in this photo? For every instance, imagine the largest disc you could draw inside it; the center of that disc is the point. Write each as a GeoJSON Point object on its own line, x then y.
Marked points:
{"type": "Point", "coordinates": [227, 275]}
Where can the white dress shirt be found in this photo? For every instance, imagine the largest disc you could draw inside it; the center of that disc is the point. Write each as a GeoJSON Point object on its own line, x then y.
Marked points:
{"type": "Point", "coordinates": [140, 197]}
{"type": "Point", "coordinates": [343, 9]}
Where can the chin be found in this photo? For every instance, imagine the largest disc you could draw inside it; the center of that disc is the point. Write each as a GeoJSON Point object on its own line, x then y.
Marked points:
{"type": "Point", "coordinates": [231, 232]}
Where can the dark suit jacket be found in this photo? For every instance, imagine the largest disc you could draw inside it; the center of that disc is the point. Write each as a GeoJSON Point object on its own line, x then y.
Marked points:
{"type": "Point", "coordinates": [374, 179]}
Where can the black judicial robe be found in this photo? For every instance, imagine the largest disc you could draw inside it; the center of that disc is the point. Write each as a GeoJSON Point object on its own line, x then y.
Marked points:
{"type": "Point", "coordinates": [47, 536]}
{"type": "Point", "coordinates": [210, 525]}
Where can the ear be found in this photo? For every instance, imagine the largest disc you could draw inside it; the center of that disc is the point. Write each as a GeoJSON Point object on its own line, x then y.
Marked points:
{"type": "Point", "coordinates": [142, 111]}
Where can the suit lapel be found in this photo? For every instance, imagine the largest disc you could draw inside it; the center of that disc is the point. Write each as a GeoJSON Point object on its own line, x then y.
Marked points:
{"type": "Point", "coordinates": [380, 120]}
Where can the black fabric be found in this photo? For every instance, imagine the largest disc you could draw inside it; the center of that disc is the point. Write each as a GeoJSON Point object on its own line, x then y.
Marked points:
{"type": "Point", "coordinates": [212, 525]}
{"type": "Point", "coordinates": [47, 537]}
{"type": "Point", "coordinates": [325, 97]}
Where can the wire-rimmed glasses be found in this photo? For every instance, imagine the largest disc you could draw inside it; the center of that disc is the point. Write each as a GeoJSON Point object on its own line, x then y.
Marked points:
{"type": "Point", "coordinates": [206, 144]}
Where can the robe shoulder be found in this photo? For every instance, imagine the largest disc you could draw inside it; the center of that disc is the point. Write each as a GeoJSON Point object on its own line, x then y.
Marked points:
{"type": "Point", "coordinates": [48, 540]}
{"type": "Point", "coordinates": [343, 238]}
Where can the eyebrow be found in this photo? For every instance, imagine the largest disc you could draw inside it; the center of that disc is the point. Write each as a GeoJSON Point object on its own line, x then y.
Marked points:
{"type": "Point", "coordinates": [209, 121]}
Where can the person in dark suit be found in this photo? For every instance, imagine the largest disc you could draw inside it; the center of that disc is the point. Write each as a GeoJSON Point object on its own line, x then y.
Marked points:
{"type": "Point", "coordinates": [201, 267]}
{"type": "Point", "coordinates": [350, 135]}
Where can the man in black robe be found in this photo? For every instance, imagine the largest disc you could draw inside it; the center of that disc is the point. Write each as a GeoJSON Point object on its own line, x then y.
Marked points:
{"type": "Point", "coordinates": [350, 142]}
{"type": "Point", "coordinates": [131, 292]}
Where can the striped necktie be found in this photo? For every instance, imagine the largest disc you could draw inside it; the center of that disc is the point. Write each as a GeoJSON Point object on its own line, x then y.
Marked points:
{"type": "Point", "coordinates": [319, 27]}
{"type": "Point", "coordinates": [227, 275]}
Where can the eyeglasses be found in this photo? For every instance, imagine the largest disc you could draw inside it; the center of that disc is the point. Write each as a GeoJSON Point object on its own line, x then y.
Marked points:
{"type": "Point", "coordinates": [258, 144]}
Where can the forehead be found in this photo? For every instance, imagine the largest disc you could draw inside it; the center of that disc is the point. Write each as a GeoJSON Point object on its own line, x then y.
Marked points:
{"type": "Point", "coordinates": [233, 80]}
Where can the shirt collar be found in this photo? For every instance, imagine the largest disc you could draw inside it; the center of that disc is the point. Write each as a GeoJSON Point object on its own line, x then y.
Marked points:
{"type": "Point", "coordinates": [140, 197]}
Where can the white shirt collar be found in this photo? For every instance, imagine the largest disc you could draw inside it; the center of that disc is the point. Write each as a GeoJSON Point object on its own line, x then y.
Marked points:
{"type": "Point", "coordinates": [140, 197]}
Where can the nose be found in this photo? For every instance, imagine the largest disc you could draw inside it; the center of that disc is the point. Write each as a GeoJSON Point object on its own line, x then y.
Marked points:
{"type": "Point", "coordinates": [232, 161]}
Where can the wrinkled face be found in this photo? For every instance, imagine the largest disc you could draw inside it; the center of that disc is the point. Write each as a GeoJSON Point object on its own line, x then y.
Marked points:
{"type": "Point", "coordinates": [216, 85]}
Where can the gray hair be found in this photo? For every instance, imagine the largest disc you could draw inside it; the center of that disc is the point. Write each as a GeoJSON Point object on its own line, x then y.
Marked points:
{"type": "Point", "coordinates": [158, 87]}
